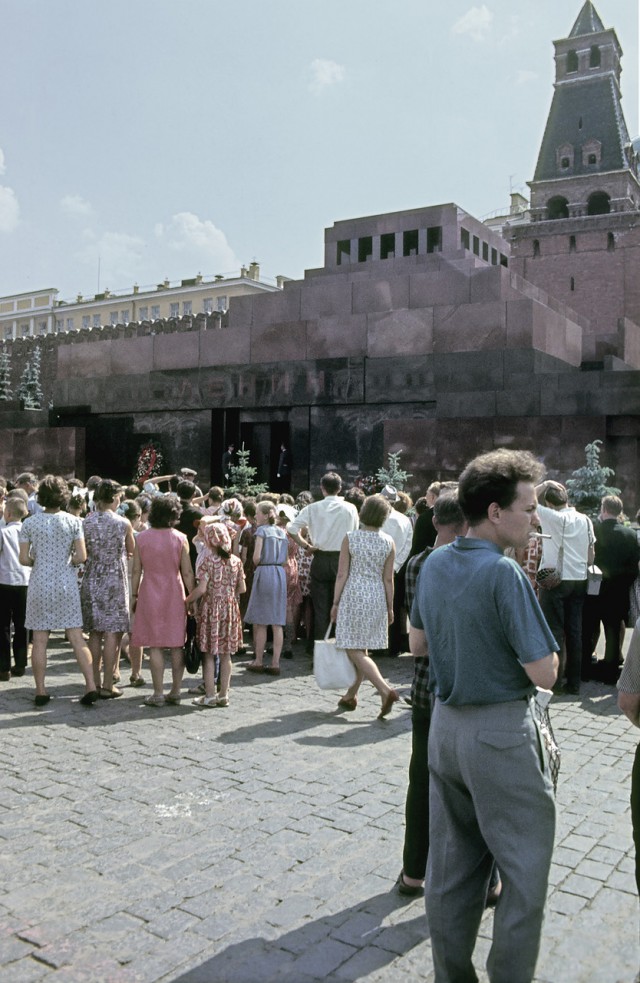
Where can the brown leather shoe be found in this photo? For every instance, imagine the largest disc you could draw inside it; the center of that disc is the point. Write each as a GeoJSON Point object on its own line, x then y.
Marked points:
{"type": "Point", "coordinates": [347, 704]}
{"type": "Point", "coordinates": [387, 704]}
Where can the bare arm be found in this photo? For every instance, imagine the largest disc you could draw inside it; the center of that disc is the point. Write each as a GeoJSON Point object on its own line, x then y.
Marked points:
{"type": "Point", "coordinates": [25, 558]}
{"type": "Point", "coordinates": [257, 551]}
{"type": "Point", "coordinates": [344, 565]}
{"type": "Point", "coordinates": [387, 579]}
{"type": "Point", "coordinates": [136, 576]}
{"type": "Point", "coordinates": [299, 539]}
{"type": "Point", "coordinates": [129, 539]}
{"type": "Point", "coordinates": [79, 554]}
{"type": "Point", "coordinates": [198, 591]}
{"type": "Point", "coordinates": [544, 672]}
{"type": "Point", "coordinates": [186, 570]}
{"type": "Point", "coordinates": [418, 643]}
{"type": "Point", "coordinates": [629, 703]}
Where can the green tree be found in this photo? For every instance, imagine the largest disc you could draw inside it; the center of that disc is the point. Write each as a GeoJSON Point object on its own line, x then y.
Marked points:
{"type": "Point", "coordinates": [393, 473]}
{"type": "Point", "coordinates": [588, 485]}
{"type": "Point", "coordinates": [29, 390]}
{"type": "Point", "coordinates": [5, 376]}
{"type": "Point", "coordinates": [242, 477]}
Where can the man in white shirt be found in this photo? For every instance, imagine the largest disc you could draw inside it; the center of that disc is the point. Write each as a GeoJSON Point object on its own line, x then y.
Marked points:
{"type": "Point", "coordinates": [399, 527]}
{"type": "Point", "coordinates": [328, 522]}
{"type": "Point", "coordinates": [568, 549]}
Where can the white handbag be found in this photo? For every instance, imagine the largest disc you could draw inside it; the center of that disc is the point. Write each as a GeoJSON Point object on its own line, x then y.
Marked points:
{"type": "Point", "coordinates": [332, 667]}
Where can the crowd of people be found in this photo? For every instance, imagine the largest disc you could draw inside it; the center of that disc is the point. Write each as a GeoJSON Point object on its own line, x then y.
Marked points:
{"type": "Point", "coordinates": [495, 584]}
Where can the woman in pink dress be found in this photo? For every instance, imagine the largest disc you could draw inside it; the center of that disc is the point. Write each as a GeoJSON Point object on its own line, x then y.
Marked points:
{"type": "Point", "coordinates": [161, 571]}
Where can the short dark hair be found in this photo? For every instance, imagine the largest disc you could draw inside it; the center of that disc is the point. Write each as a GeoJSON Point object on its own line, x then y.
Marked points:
{"type": "Point", "coordinates": [304, 498]}
{"type": "Point", "coordinates": [185, 490]}
{"type": "Point", "coordinates": [355, 496]}
{"type": "Point", "coordinates": [165, 511]}
{"type": "Point", "coordinates": [53, 492]}
{"type": "Point", "coordinates": [494, 477]}
{"type": "Point", "coordinates": [374, 511]}
{"type": "Point", "coordinates": [131, 510]}
{"type": "Point", "coordinates": [331, 482]}
{"type": "Point", "coordinates": [106, 491]}
{"type": "Point", "coordinates": [215, 494]}
{"type": "Point", "coordinates": [447, 511]}
{"type": "Point", "coordinates": [555, 494]}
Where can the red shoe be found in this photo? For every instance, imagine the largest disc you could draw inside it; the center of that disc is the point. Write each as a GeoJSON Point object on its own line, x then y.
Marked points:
{"type": "Point", "coordinates": [387, 704]}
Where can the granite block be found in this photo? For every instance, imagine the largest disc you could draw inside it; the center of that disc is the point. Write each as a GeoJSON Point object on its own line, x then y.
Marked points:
{"type": "Point", "coordinates": [445, 287]}
{"type": "Point", "coordinates": [458, 404]}
{"type": "Point", "coordinates": [397, 380]}
{"type": "Point", "coordinates": [281, 306]}
{"type": "Point", "coordinates": [468, 371]}
{"type": "Point", "coordinates": [401, 332]}
{"type": "Point", "coordinates": [378, 294]}
{"type": "Point", "coordinates": [131, 356]}
{"type": "Point", "coordinates": [321, 299]}
{"type": "Point", "coordinates": [241, 311]}
{"type": "Point", "coordinates": [176, 351]}
{"type": "Point", "coordinates": [518, 402]}
{"type": "Point", "coordinates": [84, 360]}
{"type": "Point", "coordinates": [284, 341]}
{"type": "Point", "coordinates": [491, 283]}
{"type": "Point", "coordinates": [335, 337]}
{"type": "Point", "coordinates": [225, 346]}
{"type": "Point", "coordinates": [469, 327]}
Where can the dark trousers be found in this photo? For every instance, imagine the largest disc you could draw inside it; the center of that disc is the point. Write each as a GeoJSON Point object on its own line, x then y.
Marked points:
{"type": "Point", "coordinates": [635, 811]}
{"type": "Point", "coordinates": [562, 607]}
{"type": "Point", "coordinates": [611, 607]}
{"type": "Point", "coordinates": [13, 608]}
{"type": "Point", "coordinates": [416, 832]}
{"type": "Point", "coordinates": [398, 640]}
{"type": "Point", "coordinates": [324, 570]}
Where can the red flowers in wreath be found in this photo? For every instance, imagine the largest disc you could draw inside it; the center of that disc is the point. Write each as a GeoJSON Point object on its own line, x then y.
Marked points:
{"type": "Point", "coordinates": [150, 462]}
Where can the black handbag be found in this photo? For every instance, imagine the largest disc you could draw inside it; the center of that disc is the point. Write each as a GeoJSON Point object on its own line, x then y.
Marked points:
{"type": "Point", "coordinates": [192, 654]}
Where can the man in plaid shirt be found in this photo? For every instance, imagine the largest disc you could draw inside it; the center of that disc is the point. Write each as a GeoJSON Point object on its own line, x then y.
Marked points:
{"type": "Point", "coordinates": [449, 522]}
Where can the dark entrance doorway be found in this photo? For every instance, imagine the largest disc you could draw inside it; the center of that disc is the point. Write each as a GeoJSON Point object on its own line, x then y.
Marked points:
{"type": "Point", "coordinates": [264, 440]}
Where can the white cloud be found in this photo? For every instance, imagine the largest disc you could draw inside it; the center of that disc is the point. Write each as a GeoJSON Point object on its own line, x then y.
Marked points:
{"type": "Point", "coordinates": [325, 73]}
{"type": "Point", "coordinates": [2, 164]}
{"type": "Point", "coordinates": [75, 205]}
{"type": "Point", "coordinates": [119, 253]}
{"type": "Point", "coordinates": [199, 241]}
{"type": "Point", "coordinates": [476, 23]}
{"type": "Point", "coordinates": [9, 209]}
{"type": "Point", "coordinates": [524, 76]}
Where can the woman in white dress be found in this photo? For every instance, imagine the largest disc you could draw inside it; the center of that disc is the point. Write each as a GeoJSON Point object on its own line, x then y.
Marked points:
{"type": "Point", "coordinates": [363, 600]}
{"type": "Point", "coordinates": [52, 542]}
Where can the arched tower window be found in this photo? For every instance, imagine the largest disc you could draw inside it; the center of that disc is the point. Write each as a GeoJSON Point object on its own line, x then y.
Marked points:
{"type": "Point", "coordinates": [557, 207]}
{"type": "Point", "coordinates": [572, 61]}
{"type": "Point", "coordinates": [564, 157]}
{"type": "Point", "coordinates": [591, 153]}
{"type": "Point", "coordinates": [599, 203]}
{"type": "Point", "coordinates": [594, 56]}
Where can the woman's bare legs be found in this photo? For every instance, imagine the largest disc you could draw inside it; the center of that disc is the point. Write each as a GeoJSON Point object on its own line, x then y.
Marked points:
{"type": "Point", "coordinates": [367, 669]}
{"type": "Point", "coordinates": [156, 663]}
{"type": "Point", "coordinates": [95, 647]}
{"type": "Point", "coordinates": [112, 641]}
{"type": "Point", "coordinates": [259, 642]}
{"type": "Point", "coordinates": [225, 676]}
{"type": "Point", "coordinates": [83, 657]}
{"type": "Point", "coordinates": [135, 659]}
{"type": "Point", "coordinates": [278, 636]}
{"type": "Point", "coordinates": [209, 674]}
{"type": "Point", "coordinates": [177, 670]}
{"type": "Point", "coordinates": [39, 660]}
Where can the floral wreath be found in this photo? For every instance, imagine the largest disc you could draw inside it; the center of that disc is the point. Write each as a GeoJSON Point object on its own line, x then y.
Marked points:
{"type": "Point", "coordinates": [150, 462]}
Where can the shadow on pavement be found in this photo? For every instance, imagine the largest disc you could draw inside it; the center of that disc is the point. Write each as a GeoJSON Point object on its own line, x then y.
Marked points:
{"type": "Point", "coordinates": [353, 939]}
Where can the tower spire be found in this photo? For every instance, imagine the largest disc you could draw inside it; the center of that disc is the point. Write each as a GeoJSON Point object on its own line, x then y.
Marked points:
{"type": "Point", "coordinates": [587, 22]}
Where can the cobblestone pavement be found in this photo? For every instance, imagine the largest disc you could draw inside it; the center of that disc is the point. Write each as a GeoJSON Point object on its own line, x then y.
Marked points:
{"type": "Point", "coordinates": [261, 842]}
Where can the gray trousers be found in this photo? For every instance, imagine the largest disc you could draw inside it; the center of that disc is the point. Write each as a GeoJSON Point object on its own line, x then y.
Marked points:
{"type": "Point", "coordinates": [490, 796]}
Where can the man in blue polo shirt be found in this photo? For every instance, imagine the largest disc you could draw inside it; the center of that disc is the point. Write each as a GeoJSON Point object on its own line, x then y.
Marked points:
{"type": "Point", "coordinates": [476, 617]}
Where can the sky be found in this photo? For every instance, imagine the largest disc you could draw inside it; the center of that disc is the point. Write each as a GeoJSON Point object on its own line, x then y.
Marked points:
{"type": "Point", "coordinates": [148, 138]}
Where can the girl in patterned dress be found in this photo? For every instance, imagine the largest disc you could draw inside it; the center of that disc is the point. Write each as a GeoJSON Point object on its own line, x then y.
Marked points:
{"type": "Point", "coordinates": [363, 599]}
{"type": "Point", "coordinates": [220, 582]}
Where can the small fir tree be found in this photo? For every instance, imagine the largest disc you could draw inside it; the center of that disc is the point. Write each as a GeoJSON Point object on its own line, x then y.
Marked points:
{"type": "Point", "coordinates": [588, 485]}
{"type": "Point", "coordinates": [242, 475]}
{"type": "Point", "coordinates": [30, 391]}
{"type": "Point", "coordinates": [393, 473]}
{"type": "Point", "coordinates": [5, 376]}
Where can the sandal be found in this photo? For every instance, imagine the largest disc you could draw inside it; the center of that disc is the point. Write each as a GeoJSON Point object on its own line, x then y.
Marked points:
{"type": "Point", "coordinates": [222, 701]}
{"type": "Point", "coordinates": [348, 704]}
{"type": "Point", "coordinates": [204, 701]}
{"type": "Point", "coordinates": [89, 698]}
{"type": "Point", "coordinates": [173, 701]}
{"type": "Point", "coordinates": [109, 694]}
{"type": "Point", "coordinates": [272, 670]}
{"type": "Point", "coordinates": [137, 681]}
{"type": "Point", "coordinates": [255, 667]}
